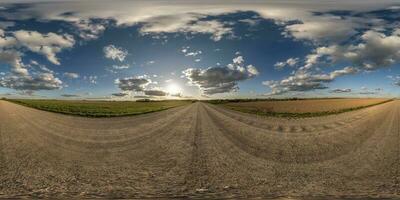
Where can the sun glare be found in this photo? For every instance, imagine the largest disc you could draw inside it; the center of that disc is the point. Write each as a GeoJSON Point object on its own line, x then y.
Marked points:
{"type": "Point", "coordinates": [174, 89]}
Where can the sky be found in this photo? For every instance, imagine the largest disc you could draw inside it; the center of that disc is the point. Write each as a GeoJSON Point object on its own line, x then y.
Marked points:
{"type": "Point", "coordinates": [181, 49]}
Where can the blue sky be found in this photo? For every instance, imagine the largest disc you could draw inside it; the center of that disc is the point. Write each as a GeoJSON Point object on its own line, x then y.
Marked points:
{"type": "Point", "coordinates": [191, 49]}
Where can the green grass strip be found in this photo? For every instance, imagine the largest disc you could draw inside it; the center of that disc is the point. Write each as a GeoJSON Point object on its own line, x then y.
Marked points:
{"type": "Point", "coordinates": [104, 110]}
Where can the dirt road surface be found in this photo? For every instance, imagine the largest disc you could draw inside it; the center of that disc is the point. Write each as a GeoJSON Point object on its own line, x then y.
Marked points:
{"type": "Point", "coordinates": [200, 151]}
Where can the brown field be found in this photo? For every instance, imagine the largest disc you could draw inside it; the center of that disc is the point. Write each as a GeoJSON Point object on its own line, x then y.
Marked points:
{"type": "Point", "coordinates": [303, 106]}
{"type": "Point", "coordinates": [200, 151]}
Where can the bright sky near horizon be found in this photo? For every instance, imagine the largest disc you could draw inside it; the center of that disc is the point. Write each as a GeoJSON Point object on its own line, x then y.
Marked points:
{"type": "Point", "coordinates": [199, 49]}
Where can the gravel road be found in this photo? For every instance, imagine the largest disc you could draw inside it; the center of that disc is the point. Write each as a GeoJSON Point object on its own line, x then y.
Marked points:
{"type": "Point", "coordinates": [200, 151]}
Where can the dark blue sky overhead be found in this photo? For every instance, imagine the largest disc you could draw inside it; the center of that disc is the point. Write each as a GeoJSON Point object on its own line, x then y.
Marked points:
{"type": "Point", "coordinates": [199, 49]}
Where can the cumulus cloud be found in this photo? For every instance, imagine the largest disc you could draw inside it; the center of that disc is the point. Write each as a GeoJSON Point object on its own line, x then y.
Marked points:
{"type": "Point", "coordinates": [71, 75]}
{"type": "Point", "coordinates": [341, 90]}
{"type": "Point", "coordinates": [395, 79]}
{"type": "Point", "coordinates": [186, 51]}
{"type": "Point", "coordinates": [136, 84]}
{"type": "Point", "coordinates": [115, 53]}
{"type": "Point", "coordinates": [306, 81]}
{"type": "Point", "coordinates": [42, 81]}
{"type": "Point", "coordinates": [289, 62]}
{"type": "Point", "coordinates": [215, 80]}
{"type": "Point", "coordinates": [366, 50]}
{"type": "Point", "coordinates": [13, 58]}
{"type": "Point", "coordinates": [376, 50]}
{"type": "Point", "coordinates": [91, 79]}
{"type": "Point", "coordinates": [186, 23]}
{"type": "Point", "coordinates": [156, 17]}
{"type": "Point", "coordinates": [118, 67]}
{"type": "Point", "coordinates": [38, 77]}
{"type": "Point", "coordinates": [46, 44]}
{"type": "Point", "coordinates": [89, 30]}
{"type": "Point", "coordinates": [155, 93]}
{"type": "Point", "coordinates": [70, 95]}
{"type": "Point", "coordinates": [21, 79]}
{"type": "Point", "coordinates": [120, 94]}
{"type": "Point", "coordinates": [323, 29]}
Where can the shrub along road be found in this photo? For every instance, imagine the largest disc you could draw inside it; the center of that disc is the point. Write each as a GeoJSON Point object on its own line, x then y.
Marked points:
{"type": "Point", "coordinates": [199, 150]}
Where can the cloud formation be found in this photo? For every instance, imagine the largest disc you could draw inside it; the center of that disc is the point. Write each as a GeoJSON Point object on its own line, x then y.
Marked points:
{"type": "Point", "coordinates": [306, 81]}
{"type": "Point", "coordinates": [71, 75]}
{"type": "Point", "coordinates": [215, 80]}
{"type": "Point", "coordinates": [155, 93]}
{"type": "Point", "coordinates": [120, 94]}
{"type": "Point", "coordinates": [189, 23]}
{"type": "Point", "coordinates": [291, 62]}
{"type": "Point", "coordinates": [70, 95]}
{"type": "Point", "coordinates": [46, 44]}
{"type": "Point", "coordinates": [341, 90]}
{"type": "Point", "coordinates": [374, 51]}
{"type": "Point", "coordinates": [115, 53]}
{"type": "Point", "coordinates": [33, 76]}
{"type": "Point", "coordinates": [42, 81]}
{"type": "Point", "coordinates": [364, 42]}
{"type": "Point", "coordinates": [136, 84]}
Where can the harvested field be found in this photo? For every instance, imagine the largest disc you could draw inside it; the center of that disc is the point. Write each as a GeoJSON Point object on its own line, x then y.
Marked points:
{"type": "Point", "coordinates": [100, 108]}
{"type": "Point", "coordinates": [200, 151]}
{"type": "Point", "coordinates": [310, 107]}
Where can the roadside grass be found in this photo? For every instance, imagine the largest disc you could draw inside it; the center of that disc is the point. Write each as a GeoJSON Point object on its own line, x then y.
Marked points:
{"type": "Point", "coordinates": [298, 115]}
{"type": "Point", "coordinates": [99, 108]}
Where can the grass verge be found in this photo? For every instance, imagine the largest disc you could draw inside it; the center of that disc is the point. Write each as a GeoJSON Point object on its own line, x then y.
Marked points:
{"type": "Point", "coordinates": [99, 108]}
{"type": "Point", "coordinates": [301, 115]}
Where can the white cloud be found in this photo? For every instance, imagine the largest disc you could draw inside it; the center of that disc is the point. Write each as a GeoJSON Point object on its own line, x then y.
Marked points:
{"type": "Point", "coordinates": [215, 80]}
{"type": "Point", "coordinates": [395, 79]}
{"type": "Point", "coordinates": [138, 84]}
{"type": "Point", "coordinates": [323, 29]}
{"type": "Point", "coordinates": [190, 16]}
{"type": "Point", "coordinates": [341, 90]}
{"type": "Point", "coordinates": [91, 79]}
{"type": "Point", "coordinates": [186, 23]}
{"type": "Point", "coordinates": [120, 94]}
{"type": "Point", "coordinates": [376, 50]}
{"type": "Point", "coordinates": [71, 75]}
{"type": "Point", "coordinates": [42, 81]}
{"type": "Point", "coordinates": [289, 62]}
{"type": "Point", "coordinates": [46, 44]}
{"type": "Point", "coordinates": [115, 53]}
{"type": "Point", "coordinates": [89, 30]}
{"type": "Point", "coordinates": [132, 83]}
{"type": "Point", "coordinates": [155, 93]}
{"type": "Point", "coordinates": [150, 62]}
{"type": "Point", "coordinates": [70, 95]}
{"type": "Point", "coordinates": [252, 70]}
{"type": "Point", "coordinates": [118, 67]}
{"type": "Point", "coordinates": [306, 81]}
{"type": "Point", "coordinates": [13, 58]}
{"type": "Point", "coordinates": [238, 60]}
{"type": "Point", "coordinates": [194, 53]}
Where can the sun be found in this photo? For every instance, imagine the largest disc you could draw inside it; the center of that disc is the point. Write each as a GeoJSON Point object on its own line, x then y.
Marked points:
{"type": "Point", "coordinates": [173, 89]}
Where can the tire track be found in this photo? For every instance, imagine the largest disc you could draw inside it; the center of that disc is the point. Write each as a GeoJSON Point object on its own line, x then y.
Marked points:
{"type": "Point", "coordinates": [285, 148]}
{"type": "Point", "coordinates": [197, 176]}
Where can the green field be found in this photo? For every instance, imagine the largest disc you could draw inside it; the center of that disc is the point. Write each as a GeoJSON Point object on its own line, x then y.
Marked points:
{"type": "Point", "coordinates": [99, 108]}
